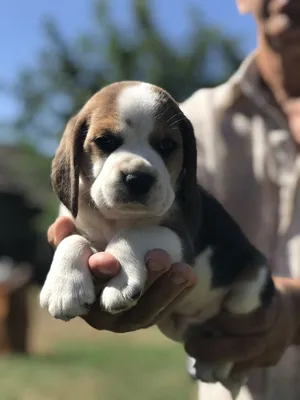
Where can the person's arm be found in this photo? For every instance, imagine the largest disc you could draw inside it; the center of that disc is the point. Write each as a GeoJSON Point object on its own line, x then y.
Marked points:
{"type": "Point", "coordinates": [165, 285]}
{"type": "Point", "coordinates": [254, 341]}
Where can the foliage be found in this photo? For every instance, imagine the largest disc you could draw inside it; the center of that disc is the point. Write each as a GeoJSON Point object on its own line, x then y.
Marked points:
{"type": "Point", "coordinates": [68, 73]}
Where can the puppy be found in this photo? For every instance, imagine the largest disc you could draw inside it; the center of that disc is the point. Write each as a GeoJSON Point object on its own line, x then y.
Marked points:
{"type": "Point", "coordinates": [125, 171]}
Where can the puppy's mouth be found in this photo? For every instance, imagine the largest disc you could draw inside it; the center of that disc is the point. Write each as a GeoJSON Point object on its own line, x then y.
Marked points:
{"type": "Point", "coordinates": [131, 209]}
{"type": "Point", "coordinates": [121, 204]}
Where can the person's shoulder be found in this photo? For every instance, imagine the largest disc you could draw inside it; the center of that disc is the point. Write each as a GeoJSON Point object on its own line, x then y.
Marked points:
{"type": "Point", "coordinates": [201, 97]}
{"type": "Point", "coordinates": [207, 104]}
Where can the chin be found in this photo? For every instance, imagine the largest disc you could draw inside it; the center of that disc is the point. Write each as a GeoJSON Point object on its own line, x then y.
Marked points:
{"type": "Point", "coordinates": [125, 212]}
{"type": "Point", "coordinates": [132, 211]}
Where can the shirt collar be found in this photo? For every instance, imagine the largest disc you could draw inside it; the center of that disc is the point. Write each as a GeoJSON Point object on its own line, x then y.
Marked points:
{"type": "Point", "coordinates": [248, 82]}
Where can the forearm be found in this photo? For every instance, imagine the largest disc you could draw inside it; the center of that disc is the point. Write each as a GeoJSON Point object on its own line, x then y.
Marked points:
{"type": "Point", "coordinates": [290, 289]}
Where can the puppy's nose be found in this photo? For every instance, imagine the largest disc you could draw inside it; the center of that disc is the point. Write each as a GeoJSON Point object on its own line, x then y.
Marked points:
{"type": "Point", "coordinates": [138, 183]}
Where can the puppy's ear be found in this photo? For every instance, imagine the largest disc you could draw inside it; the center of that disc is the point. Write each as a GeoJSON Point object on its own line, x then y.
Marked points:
{"type": "Point", "coordinates": [66, 164]}
{"type": "Point", "coordinates": [188, 176]}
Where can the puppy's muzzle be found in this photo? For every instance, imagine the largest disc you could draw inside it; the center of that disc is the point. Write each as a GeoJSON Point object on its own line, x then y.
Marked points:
{"type": "Point", "coordinates": [138, 183]}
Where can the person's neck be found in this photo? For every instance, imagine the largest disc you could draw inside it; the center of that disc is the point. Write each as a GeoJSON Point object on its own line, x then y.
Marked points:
{"type": "Point", "coordinates": [280, 71]}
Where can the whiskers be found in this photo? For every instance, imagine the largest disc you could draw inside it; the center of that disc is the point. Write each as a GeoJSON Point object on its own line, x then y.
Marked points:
{"type": "Point", "coordinates": [172, 125]}
{"type": "Point", "coordinates": [158, 116]}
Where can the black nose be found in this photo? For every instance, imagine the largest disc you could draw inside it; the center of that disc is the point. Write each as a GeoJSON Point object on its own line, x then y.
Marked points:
{"type": "Point", "coordinates": [138, 183]}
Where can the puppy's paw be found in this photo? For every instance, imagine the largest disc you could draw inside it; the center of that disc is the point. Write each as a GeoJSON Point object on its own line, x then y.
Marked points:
{"type": "Point", "coordinates": [67, 297]}
{"type": "Point", "coordinates": [234, 384]}
{"type": "Point", "coordinates": [68, 291]}
{"type": "Point", "coordinates": [212, 372]}
{"type": "Point", "coordinates": [123, 291]}
{"type": "Point", "coordinates": [221, 372]}
{"type": "Point", "coordinates": [120, 295]}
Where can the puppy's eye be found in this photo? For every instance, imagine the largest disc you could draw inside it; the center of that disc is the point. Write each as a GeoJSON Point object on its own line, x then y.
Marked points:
{"type": "Point", "coordinates": [108, 142]}
{"type": "Point", "coordinates": [165, 147]}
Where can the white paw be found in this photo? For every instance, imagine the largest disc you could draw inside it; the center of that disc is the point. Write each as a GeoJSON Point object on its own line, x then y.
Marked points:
{"type": "Point", "coordinates": [234, 385]}
{"type": "Point", "coordinates": [69, 290]}
{"type": "Point", "coordinates": [221, 372]}
{"type": "Point", "coordinates": [120, 295]}
{"type": "Point", "coordinates": [123, 291]}
{"type": "Point", "coordinates": [212, 372]}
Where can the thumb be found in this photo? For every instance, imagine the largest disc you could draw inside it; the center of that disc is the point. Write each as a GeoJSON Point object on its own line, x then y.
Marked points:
{"type": "Point", "coordinates": [103, 266]}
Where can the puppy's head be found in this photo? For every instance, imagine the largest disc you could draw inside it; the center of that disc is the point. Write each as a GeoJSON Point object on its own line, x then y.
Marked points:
{"type": "Point", "coordinates": [132, 148]}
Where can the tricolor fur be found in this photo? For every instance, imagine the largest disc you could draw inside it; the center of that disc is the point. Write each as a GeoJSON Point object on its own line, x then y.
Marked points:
{"type": "Point", "coordinates": [125, 171]}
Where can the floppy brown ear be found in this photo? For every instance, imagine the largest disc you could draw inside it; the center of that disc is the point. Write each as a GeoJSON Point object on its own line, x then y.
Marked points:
{"type": "Point", "coordinates": [188, 176]}
{"type": "Point", "coordinates": [66, 164]}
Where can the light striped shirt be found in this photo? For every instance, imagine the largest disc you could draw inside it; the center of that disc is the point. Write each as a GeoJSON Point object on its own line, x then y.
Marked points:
{"type": "Point", "coordinates": [248, 160]}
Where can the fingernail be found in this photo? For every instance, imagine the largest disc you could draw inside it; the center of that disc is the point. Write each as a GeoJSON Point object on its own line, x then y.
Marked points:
{"type": "Point", "coordinates": [154, 266]}
{"type": "Point", "coordinates": [107, 271]}
{"type": "Point", "coordinates": [177, 278]}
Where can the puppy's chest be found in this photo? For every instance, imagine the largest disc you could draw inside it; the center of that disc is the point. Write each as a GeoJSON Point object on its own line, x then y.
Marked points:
{"type": "Point", "coordinates": [98, 230]}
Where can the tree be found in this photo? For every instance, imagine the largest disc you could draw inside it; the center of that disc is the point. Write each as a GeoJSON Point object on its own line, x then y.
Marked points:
{"type": "Point", "coordinates": [68, 73]}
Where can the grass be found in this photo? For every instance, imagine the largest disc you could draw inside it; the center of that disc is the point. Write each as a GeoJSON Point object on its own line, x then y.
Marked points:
{"type": "Point", "coordinates": [72, 361]}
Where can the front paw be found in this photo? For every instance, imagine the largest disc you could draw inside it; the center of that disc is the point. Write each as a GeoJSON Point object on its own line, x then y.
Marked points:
{"type": "Point", "coordinates": [120, 295]}
{"type": "Point", "coordinates": [67, 297]}
{"type": "Point", "coordinates": [124, 290]}
{"type": "Point", "coordinates": [69, 291]}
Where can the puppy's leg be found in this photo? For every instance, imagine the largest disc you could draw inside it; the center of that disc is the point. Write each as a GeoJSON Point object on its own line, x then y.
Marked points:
{"type": "Point", "coordinates": [220, 372]}
{"type": "Point", "coordinates": [247, 295]}
{"type": "Point", "coordinates": [250, 292]}
{"type": "Point", "coordinates": [130, 248]}
{"type": "Point", "coordinates": [68, 289]}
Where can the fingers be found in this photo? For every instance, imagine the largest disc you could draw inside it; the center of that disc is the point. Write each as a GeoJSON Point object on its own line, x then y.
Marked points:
{"type": "Point", "coordinates": [160, 297]}
{"type": "Point", "coordinates": [59, 230]}
{"type": "Point", "coordinates": [165, 284]}
{"type": "Point", "coordinates": [238, 338]}
{"type": "Point", "coordinates": [164, 292]}
{"type": "Point", "coordinates": [269, 358]}
{"type": "Point", "coordinates": [217, 349]}
{"type": "Point", "coordinates": [257, 322]}
{"type": "Point", "coordinates": [103, 266]}
{"type": "Point", "coordinates": [259, 362]}
{"type": "Point", "coordinates": [101, 320]}
{"type": "Point", "coordinates": [158, 262]}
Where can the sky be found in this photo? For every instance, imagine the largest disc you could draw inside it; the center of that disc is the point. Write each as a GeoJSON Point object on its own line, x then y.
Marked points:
{"type": "Point", "coordinates": [21, 35]}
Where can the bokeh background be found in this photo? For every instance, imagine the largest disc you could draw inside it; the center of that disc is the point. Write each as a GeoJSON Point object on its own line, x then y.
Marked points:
{"type": "Point", "coordinates": [54, 56]}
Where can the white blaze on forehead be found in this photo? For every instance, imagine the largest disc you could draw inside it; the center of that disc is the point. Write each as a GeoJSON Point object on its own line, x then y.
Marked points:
{"type": "Point", "coordinates": [138, 104]}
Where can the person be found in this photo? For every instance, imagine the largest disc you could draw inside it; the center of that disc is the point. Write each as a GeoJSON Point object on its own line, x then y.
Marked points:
{"type": "Point", "coordinates": [248, 138]}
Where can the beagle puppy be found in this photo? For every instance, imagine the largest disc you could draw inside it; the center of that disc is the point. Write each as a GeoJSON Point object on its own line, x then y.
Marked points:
{"type": "Point", "coordinates": [125, 171]}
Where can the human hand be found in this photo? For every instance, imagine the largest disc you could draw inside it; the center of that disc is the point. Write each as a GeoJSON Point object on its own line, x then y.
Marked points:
{"type": "Point", "coordinates": [166, 284]}
{"type": "Point", "coordinates": [253, 341]}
